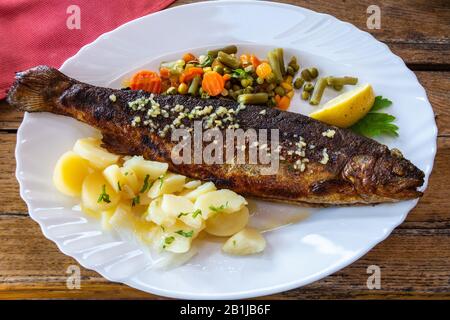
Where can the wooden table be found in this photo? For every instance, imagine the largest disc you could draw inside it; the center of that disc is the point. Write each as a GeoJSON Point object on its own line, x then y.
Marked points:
{"type": "Point", "coordinates": [414, 260]}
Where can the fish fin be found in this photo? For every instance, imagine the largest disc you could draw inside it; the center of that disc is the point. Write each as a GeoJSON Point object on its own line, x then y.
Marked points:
{"type": "Point", "coordinates": [37, 89]}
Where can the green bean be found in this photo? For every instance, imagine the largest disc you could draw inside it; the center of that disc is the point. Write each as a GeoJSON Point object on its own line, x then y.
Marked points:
{"type": "Point", "coordinates": [298, 83]}
{"type": "Point", "coordinates": [193, 88]}
{"type": "Point", "coordinates": [305, 95]}
{"type": "Point", "coordinates": [228, 60]}
{"type": "Point", "coordinates": [341, 81]}
{"type": "Point", "coordinates": [280, 55]}
{"type": "Point", "coordinates": [338, 87]}
{"type": "Point", "coordinates": [275, 65]}
{"type": "Point", "coordinates": [280, 91]}
{"type": "Point", "coordinates": [228, 49]}
{"type": "Point", "coordinates": [308, 87]}
{"type": "Point", "coordinates": [271, 78]}
{"type": "Point", "coordinates": [253, 98]}
{"type": "Point", "coordinates": [318, 91]}
{"type": "Point", "coordinates": [218, 69]}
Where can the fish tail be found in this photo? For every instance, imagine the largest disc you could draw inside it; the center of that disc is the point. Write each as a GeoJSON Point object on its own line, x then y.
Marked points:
{"type": "Point", "coordinates": [37, 89]}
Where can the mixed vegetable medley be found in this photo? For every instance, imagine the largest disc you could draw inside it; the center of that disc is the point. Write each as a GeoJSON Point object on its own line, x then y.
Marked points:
{"type": "Point", "coordinates": [249, 79]}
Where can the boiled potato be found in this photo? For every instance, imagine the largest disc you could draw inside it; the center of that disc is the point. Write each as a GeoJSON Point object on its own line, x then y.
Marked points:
{"type": "Point", "coordinates": [69, 173]}
{"type": "Point", "coordinates": [90, 149]}
{"type": "Point", "coordinates": [105, 217]}
{"type": "Point", "coordinates": [192, 184]}
{"type": "Point", "coordinates": [169, 183]}
{"type": "Point", "coordinates": [245, 242]}
{"type": "Point", "coordinates": [204, 188]}
{"type": "Point", "coordinates": [224, 200]}
{"type": "Point", "coordinates": [177, 238]}
{"type": "Point", "coordinates": [227, 224]}
{"type": "Point", "coordinates": [114, 176]}
{"type": "Point", "coordinates": [131, 178]}
{"type": "Point", "coordinates": [144, 167]}
{"type": "Point", "coordinates": [122, 217]}
{"type": "Point", "coordinates": [94, 185]}
{"type": "Point", "coordinates": [156, 214]}
{"type": "Point", "coordinates": [174, 205]}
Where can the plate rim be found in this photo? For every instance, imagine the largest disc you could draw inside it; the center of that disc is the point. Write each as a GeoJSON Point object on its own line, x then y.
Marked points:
{"type": "Point", "coordinates": [241, 294]}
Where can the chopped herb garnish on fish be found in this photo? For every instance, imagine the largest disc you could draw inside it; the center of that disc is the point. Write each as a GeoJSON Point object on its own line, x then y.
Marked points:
{"type": "Point", "coordinates": [185, 234]}
{"type": "Point", "coordinates": [104, 196]}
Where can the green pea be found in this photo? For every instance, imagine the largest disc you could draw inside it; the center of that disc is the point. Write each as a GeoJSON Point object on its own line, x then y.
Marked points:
{"type": "Point", "coordinates": [279, 91]}
{"type": "Point", "coordinates": [305, 95]}
{"type": "Point", "coordinates": [298, 83]}
{"type": "Point", "coordinates": [308, 87]}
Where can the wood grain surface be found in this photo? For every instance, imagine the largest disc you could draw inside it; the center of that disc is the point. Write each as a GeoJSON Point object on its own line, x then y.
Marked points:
{"type": "Point", "coordinates": [414, 259]}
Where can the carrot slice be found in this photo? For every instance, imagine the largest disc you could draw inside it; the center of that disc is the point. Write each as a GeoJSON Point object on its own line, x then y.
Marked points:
{"type": "Point", "coordinates": [189, 57]}
{"type": "Point", "coordinates": [284, 103]}
{"type": "Point", "coordinates": [164, 73]}
{"type": "Point", "coordinates": [190, 73]}
{"type": "Point", "coordinates": [213, 83]}
{"type": "Point", "coordinates": [146, 80]}
{"type": "Point", "coordinates": [255, 61]}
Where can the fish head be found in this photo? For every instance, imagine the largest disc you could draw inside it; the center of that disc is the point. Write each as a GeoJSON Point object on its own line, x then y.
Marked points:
{"type": "Point", "coordinates": [388, 175]}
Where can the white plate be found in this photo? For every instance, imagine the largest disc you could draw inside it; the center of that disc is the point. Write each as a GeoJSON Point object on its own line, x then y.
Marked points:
{"type": "Point", "coordinates": [327, 241]}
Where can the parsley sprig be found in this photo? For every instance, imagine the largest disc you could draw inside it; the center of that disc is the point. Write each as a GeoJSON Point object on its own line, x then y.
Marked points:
{"type": "Point", "coordinates": [377, 123]}
{"type": "Point", "coordinates": [219, 208]}
{"type": "Point", "coordinates": [185, 234]}
{"type": "Point", "coordinates": [104, 196]}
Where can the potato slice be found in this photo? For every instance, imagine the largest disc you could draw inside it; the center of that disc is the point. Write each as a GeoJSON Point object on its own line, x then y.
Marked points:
{"type": "Point", "coordinates": [224, 200]}
{"type": "Point", "coordinates": [144, 167]}
{"type": "Point", "coordinates": [169, 183]}
{"type": "Point", "coordinates": [227, 224]}
{"type": "Point", "coordinates": [156, 214]}
{"type": "Point", "coordinates": [131, 179]}
{"type": "Point", "coordinates": [174, 205]}
{"type": "Point", "coordinates": [114, 176]}
{"type": "Point", "coordinates": [245, 242]}
{"type": "Point", "coordinates": [90, 149]}
{"type": "Point", "coordinates": [69, 173]}
{"type": "Point", "coordinates": [178, 238]}
{"type": "Point", "coordinates": [105, 217]}
{"type": "Point", "coordinates": [94, 185]}
{"type": "Point", "coordinates": [192, 184]}
{"type": "Point", "coordinates": [204, 188]}
{"type": "Point", "coordinates": [122, 217]}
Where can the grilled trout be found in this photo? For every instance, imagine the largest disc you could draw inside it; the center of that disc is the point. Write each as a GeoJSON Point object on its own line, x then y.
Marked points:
{"type": "Point", "coordinates": [319, 164]}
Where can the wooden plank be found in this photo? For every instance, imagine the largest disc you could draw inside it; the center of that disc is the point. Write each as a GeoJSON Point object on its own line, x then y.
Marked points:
{"type": "Point", "coordinates": [428, 43]}
{"type": "Point", "coordinates": [435, 83]}
{"type": "Point", "coordinates": [414, 264]}
{"type": "Point", "coordinates": [431, 212]}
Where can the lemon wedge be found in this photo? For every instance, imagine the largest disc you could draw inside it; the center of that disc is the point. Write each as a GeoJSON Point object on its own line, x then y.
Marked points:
{"type": "Point", "coordinates": [347, 108]}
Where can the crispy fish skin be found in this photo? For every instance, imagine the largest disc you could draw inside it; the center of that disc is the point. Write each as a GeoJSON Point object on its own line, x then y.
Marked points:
{"type": "Point", "coordinates": [359, 170]}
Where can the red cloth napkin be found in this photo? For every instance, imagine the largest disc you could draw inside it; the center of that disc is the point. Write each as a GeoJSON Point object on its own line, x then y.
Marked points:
{"type": "Point", "coordinates": [34, 32]}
